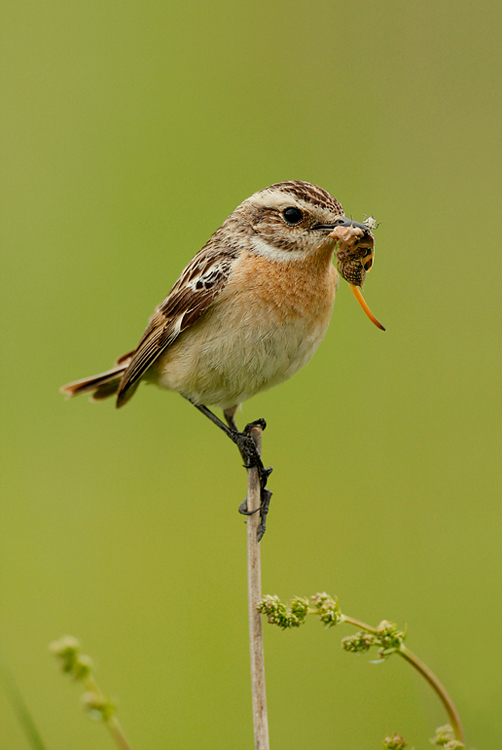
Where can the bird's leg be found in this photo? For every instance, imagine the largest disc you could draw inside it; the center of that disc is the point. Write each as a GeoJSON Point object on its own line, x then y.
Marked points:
{"type": "Point", "coordinates": [249, 453]}
{"type": "Point", "coordinates": [229, 415]}
{"type": "Point", "coordinates": [243, 441]}
{"type": "Point", "coordinates": [265, 494]}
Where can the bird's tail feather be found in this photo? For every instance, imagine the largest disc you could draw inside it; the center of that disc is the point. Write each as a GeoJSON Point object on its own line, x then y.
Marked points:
{"type": "Point", "coordinates": [101, 386]}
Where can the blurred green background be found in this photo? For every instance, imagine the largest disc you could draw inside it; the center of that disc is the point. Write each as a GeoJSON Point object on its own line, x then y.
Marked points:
{"type": "Point", "coordinates": [130, 131]}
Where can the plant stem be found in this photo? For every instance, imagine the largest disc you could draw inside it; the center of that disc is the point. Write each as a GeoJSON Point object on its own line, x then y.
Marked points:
{"type": "Point", "coordinates": [358, 624]}
{"type": "Point", "coordinates": [117, 733]}
{"type": "Point", "coordinates": [438, 688]}
{"type": "Point", "coordinates": [260, 718]}
{"type": "Point", "coordinates": [426, 673]}
{"type": "Point", "coordinates": [111, 722]}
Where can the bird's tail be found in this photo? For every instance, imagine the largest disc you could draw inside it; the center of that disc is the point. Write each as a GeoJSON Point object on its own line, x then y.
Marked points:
{"type": "Point", "coordinates": [101, 386]}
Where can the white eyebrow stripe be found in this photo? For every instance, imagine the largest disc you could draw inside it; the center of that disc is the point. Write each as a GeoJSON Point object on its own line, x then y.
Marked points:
{"type": "Point", "coordinates": [274, 253]}
{"type": "Point", "coordinates": [279, 200]}
{"type": "Point", "coordinates": [274, 199]}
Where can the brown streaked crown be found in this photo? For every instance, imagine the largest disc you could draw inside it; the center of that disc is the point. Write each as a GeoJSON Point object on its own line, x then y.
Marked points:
{"type": "Point", "coordinates": [310, 193]}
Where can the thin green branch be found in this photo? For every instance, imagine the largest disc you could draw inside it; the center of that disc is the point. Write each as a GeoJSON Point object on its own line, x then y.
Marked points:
{"type": "Point", "coordinates": [426, 673]}
{"type": "Point", "coordinates": [386, 635]}
{"type": "Point", "coordinates": [96, 700]}
{"type": "Point", "coordinates": [438, 688]}
{"type": "Point", "coordinates": [80, 667]}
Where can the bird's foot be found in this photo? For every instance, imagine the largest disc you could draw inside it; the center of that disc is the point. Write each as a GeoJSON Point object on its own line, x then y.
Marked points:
{"type": "Point", "coordinates": [250, 455]}
{"type": "Point", "coordinates": [249, 451]}
{"type": "Point", "coordinates": [252, 458]}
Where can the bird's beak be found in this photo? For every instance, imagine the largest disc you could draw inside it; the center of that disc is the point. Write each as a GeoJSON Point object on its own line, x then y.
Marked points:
{"type": "Point", "coordinates": [343, 221]}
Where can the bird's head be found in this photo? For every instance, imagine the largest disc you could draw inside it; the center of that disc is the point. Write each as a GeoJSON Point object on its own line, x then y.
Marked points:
{"type": "Point", "coordinates": [292, 220]}
{"type": "Point", "coordinates": [289, 220]}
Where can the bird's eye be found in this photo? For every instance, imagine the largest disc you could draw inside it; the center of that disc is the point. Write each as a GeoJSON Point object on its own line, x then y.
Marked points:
{"type": "Point", "coordinates": [292, 215]}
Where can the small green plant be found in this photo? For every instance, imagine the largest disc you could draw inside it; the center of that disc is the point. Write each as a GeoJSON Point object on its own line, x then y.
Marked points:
{"type": "Point", "coordinates": [80, 667]}
{"type": "Point", "coordinates": [445, 738]}
{"type": "Point", "coordinates": [386, 637]}
{"type": "Point", "coordinates": [395, 742]}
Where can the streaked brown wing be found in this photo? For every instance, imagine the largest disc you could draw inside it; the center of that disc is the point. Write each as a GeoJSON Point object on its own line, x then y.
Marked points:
{"type": "Point", "coordinates": [199, 284]}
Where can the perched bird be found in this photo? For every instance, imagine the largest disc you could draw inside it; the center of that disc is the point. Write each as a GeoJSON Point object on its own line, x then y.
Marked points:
{"type": "Point", "coordinates": [250, 309]}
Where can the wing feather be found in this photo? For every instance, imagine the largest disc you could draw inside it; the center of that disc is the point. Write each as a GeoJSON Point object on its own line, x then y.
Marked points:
{"type": "Point", "coordinates": [198, 286]}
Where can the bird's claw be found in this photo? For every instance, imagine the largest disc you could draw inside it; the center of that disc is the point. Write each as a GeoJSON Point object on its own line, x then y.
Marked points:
{"type": "Point", "coordinates": [265, 504]}
{"type": "Point", "coordinates": [263, 510]}
{"type": "Point", "coordinates": [251, 456]}
{"type": "Point", "coordinates": [257, 423]}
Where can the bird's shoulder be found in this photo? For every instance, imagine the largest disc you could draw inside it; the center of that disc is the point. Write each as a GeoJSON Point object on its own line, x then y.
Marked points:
{"type": "Point", "coordinates": [202, 279]}
{"type": "Point", "coordinates": [199, 284]}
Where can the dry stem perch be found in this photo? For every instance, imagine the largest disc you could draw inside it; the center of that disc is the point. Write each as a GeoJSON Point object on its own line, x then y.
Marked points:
{"type": "Point", "coordinates": [254, 503]}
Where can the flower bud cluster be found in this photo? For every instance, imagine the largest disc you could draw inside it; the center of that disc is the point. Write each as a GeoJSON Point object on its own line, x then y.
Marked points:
{"type": "Point", "coordinates": [389, 638]}
{"type": "Point", "coordinates": [395, 742]}
{"type": "Point", "coordinates": [80, 667]}
{"type": "Point", "coordinates": [327, 609]}
{"type": "Point", "coordinates": [358, 643]}
{"type": "Point", "coordinates": [98, 706]}
{"type": "Point", "coordinates": [445, 738]}
{"type": "Point", "coordinates": [285, 617]}
{"type": "Point", "coordinates": [69, 651]}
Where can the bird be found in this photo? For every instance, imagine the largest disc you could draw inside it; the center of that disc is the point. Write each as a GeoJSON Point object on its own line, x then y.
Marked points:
{"type": "Point", "coordinates": [249, 310]}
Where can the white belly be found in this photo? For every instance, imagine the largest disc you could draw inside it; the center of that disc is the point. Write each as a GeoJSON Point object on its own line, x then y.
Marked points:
{"type": "Point", "coordinates": [265, 325]}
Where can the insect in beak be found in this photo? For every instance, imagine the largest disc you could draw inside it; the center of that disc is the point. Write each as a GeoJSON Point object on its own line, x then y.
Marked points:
{"type": "Point", "coordinates": [355, 254]}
